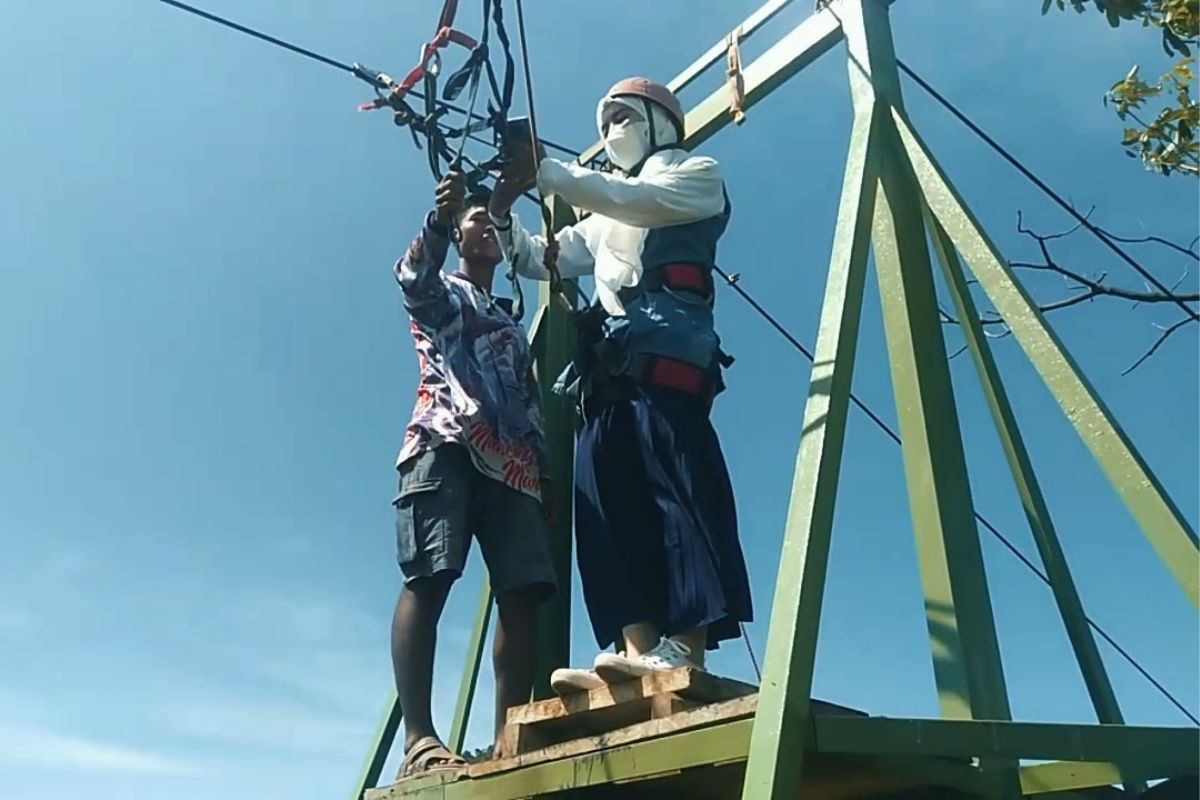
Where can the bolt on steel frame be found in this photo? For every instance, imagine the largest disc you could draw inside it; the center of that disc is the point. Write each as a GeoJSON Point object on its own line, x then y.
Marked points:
{"type": "Point", "coordinates": [894, 196]}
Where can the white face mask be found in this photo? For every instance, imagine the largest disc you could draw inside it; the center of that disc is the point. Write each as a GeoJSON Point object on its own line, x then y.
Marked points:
{"type": "Point", "coordinates": [627, 143]}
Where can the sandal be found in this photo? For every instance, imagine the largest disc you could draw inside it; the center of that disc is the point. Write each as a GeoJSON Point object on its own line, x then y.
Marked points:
{"type": "Point", "coordinates": [430, 755]}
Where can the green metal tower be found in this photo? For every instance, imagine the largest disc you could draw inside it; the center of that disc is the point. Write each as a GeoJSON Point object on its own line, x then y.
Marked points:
{"type": "Point", "coordinates": [895, 199]}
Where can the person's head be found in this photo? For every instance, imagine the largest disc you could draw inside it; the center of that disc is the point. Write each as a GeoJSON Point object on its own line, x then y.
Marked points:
{"type": "Point", "coordinates": [477, 244]}
{"type": "Point", "coordinates": [636, 118]}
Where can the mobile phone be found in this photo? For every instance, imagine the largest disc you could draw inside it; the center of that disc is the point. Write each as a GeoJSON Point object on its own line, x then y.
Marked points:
{"type": "Point", "coordinates": [517, 130]}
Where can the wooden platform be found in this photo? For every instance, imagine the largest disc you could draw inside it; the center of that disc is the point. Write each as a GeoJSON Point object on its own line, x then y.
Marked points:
{"type": "Point", "coordinates": [658, 696]}
{"type": "Point", "coordinates": [561, 747]}
{"type": "Point", "coordinates": [686, 735]}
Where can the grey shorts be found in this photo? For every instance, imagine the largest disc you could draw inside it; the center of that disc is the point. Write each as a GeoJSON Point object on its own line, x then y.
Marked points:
{"type": "Point", "coordinates": [444, 501]}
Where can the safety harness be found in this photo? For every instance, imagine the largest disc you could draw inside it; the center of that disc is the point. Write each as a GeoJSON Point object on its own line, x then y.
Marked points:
{"type": "Point", "coordinates": [594, 379]}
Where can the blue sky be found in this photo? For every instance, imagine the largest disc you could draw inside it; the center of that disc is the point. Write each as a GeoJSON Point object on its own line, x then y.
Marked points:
{"type": "Point", "coordinates": [207, 373]}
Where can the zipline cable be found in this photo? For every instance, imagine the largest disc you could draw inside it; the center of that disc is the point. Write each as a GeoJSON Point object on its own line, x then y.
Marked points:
{"type": "Point", "coordinates": [332, 62]}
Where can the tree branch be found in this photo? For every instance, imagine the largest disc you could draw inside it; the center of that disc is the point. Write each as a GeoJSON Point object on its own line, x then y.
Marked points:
{"type": "Point", "coordinates": [1090, 288]}
{"type": "Point", "coordinates": [1096, 288]}
{"type": "Point", "coordinates": [1190, 250]}
{"type": "Point", "coordinates": [1166, 332]}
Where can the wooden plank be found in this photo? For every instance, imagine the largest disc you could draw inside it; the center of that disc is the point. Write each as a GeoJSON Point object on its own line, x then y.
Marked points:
{"type": "Point", "coordinates": [689, 684]}
{"type": "Point", "coordinates": [525, 737]}
{"type": "Point", "coordinates": [705, 716]}
{"type": "Point", "coordinates": [699, 718]}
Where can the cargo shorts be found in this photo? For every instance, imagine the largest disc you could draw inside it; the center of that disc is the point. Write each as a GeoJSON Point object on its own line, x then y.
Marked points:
{"type": "Point", "coordinates": [444, 502]}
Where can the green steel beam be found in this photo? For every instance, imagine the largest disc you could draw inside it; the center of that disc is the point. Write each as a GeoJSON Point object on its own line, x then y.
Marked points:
{"type": "Point", "coordinates": [1095, 676]}
{"type": "Point", "coordinates": [1064, 776]}
{"type": "Point", "coordinates": [761, 16]}
{"type": "Point", "coordinates": [556, 351]}
{"type": "Point", "coordinates": [1160, 519]}
{"type": "Point", "coordinates": [470, 676]}
{"type": "Point", "coordinates": [966, 653]}
{"type": "Point", "coordinates": [385, 735]}
{"type": "Point", "coordinates": [1171, 750]}
{"type": "Point", "coordinates": [941, 510]}
{"type": "Point", "coordinates": [783, 700]}
{"type": "Point", "coordinates": [807, 42]}
{"type": "Point", "coordinates": [781, 724]}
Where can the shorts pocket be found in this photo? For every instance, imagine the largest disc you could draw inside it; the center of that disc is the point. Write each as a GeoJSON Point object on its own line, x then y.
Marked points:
{"type": "Point", "coordinates": [416, 518]}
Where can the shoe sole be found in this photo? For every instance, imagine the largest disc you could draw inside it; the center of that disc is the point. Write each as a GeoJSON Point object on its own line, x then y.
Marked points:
{"type": "Point", "coordinates": [614, 674]}
{"type": "Point", "coordinates": [568, 687]}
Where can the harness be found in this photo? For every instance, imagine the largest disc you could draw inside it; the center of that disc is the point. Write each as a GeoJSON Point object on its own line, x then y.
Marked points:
{"type": "Point", "coordinates": [597, 380]}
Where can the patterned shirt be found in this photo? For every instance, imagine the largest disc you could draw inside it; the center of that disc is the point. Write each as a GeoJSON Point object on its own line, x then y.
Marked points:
{"type": "Point", "coordinates": [477, 386]}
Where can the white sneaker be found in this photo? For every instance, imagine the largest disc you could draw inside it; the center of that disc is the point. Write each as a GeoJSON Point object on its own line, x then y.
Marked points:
{"type": "Point", "coordinates": [667, 655]}
{"type": "Point", "coordinates": [572, 681]}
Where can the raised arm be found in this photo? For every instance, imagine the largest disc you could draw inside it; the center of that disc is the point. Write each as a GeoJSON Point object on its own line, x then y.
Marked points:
{"type": "Point", "coordinates": [577, 244]}
{"type": "Point", "coordinates": [684, 192]}
{"type": "Point", "coordinates": [419, 271]}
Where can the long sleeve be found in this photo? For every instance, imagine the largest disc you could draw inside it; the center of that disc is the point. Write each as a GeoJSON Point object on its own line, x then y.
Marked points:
{"type": "Point", "coordinates": [419, 273]}
{"type": "Point", "coordinates": [684, 192]}
{"type": "Point", "coordinates": [576, 254]}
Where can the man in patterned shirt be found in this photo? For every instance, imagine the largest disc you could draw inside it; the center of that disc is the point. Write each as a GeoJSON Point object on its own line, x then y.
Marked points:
{"type": "Point", "coordinates": [472, 465]}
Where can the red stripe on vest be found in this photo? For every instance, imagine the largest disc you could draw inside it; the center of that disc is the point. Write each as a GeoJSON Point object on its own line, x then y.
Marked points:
{"type": "Point", "coordinates": [676, 375]}
{"type": "Point", "coordinates": [685, 276]}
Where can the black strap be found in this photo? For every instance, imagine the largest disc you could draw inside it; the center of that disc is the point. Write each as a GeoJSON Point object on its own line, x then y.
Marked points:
{"type": "Point", "coordinates": [466, 73]}
{"type": "Point", "coordinates": [469, 76]}
{"type": "Point", "coordinates": [432, 134]}
{"type": "Point", "coordinates": [504, 94]}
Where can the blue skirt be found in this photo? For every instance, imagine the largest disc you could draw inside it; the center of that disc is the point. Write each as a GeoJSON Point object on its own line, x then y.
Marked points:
{"type": "Point", "coordinates": [655, 520]}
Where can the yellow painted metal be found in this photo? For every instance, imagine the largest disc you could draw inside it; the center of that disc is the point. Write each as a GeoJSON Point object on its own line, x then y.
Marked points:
{"type": "Point", "coordinates": [1160, 519]}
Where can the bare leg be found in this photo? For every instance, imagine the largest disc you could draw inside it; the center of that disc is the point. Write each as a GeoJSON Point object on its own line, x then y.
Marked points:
{"type": "Point", "coordinates": [414, 638]}
{"type": "Point", "coordinates": [640, 637]}
{"type": "Point", "coordinates": [695, 640]}
{"type": "Point", "coordinates": [513, 655]}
